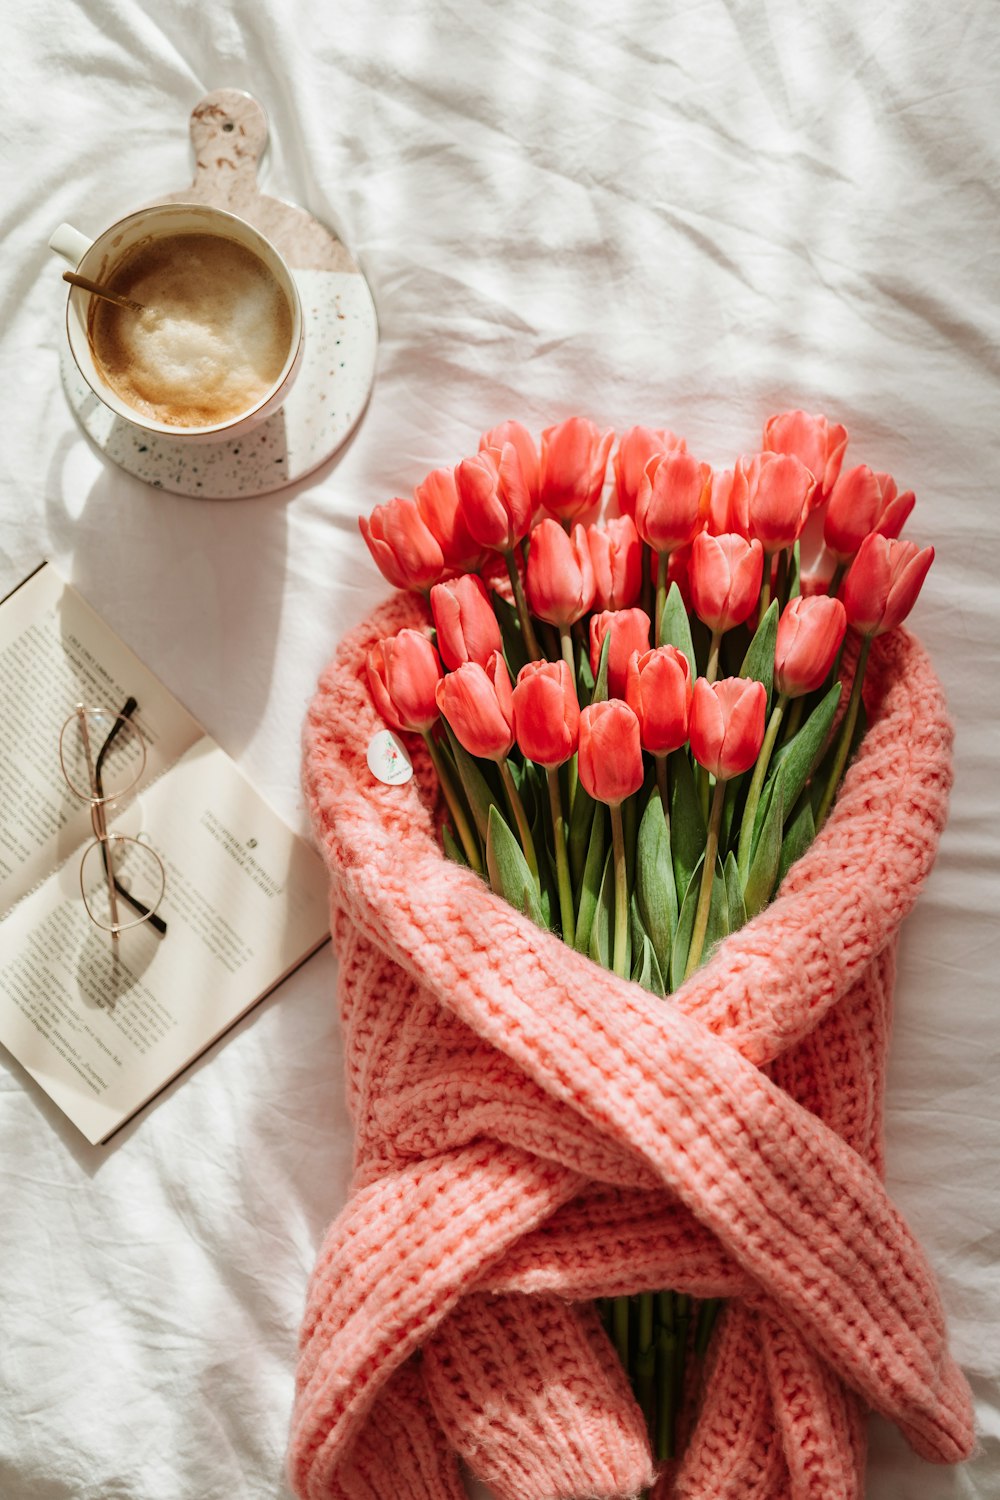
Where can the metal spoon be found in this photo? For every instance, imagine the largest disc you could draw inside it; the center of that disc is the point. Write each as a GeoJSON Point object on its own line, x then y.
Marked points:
{"type": "Point", "coordinates": [94, 287]}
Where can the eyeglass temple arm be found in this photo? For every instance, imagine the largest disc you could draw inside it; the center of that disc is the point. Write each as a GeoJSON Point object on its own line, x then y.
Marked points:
{"type": "Point", "coordinates": [126, 712]}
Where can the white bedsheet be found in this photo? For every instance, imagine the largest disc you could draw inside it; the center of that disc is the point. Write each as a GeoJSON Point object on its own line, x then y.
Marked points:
{"type": "Point", "coordinates": [683, 214]}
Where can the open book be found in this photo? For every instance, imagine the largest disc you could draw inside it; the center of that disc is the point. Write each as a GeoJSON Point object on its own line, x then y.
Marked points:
{"type": "Point", "coordinates": [104, 1023]}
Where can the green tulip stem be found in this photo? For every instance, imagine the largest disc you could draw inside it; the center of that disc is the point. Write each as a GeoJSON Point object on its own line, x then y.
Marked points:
{"type": "Point", "coordinates": [846, 735]}
{"type": "Point", "coordinates": [833, 588]}
{"type": "Point", "coordinates": [521, 604]}
{"type": "Point", "coordinates": [521, 818]}
{"type": "Point", "coordinates": [621, 891]}
{"type": "Point", "coordinates": [756, 787]}
{"type": "Point", "coordinates": [646, 573]}
{"type": "Point", "coordinates": [662, 563]}
{"type": "Point", "coordinates": [452, 796]}
{"type": "Point", "coordinates": [712, 670]}
{"type": "Point", "coordinates": [781, 579]}
{"type": "Point", "coordinates": [568, 654]}
{"type": "Point", "coordinates": [666, 1371]}
{"type": "Point", "coordinates": [562, 861]}
{"type": "Point", "coordinates": [765, 587]}
{"type": "Point", "coordinates": [645, 1357]}
{"type": "Point", "coordinates": [707, 876]}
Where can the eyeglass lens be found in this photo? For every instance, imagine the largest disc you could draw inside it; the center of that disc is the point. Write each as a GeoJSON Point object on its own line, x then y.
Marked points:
{"type": "Point", "coordinates": [97, 776]}
{"type": "Point", "coordinates": [135, 875]}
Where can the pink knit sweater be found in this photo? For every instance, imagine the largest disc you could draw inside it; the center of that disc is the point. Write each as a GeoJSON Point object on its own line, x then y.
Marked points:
{"type": "Point", "coordinates": [533, 1132]}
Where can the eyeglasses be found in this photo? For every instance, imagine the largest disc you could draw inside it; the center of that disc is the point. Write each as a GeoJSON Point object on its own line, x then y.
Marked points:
{"type": "Point", "coordinates": [103, 756]}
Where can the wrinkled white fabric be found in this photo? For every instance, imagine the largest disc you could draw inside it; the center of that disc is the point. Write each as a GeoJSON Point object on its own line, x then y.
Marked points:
{"type": "Point", "coordinates": [688, 215]}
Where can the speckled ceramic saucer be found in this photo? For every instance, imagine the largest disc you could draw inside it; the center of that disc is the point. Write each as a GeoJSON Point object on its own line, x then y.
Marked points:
{"type": "Point", "coordinates": [229, 133]}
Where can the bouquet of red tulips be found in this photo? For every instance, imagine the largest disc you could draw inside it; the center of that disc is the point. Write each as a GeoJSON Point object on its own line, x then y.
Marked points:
{"type": "Point", "coordinates": [640, 706]}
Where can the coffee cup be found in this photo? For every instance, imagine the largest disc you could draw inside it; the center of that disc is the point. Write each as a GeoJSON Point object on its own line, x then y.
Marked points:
{"type": "Point", "coordinates": [218, 341]}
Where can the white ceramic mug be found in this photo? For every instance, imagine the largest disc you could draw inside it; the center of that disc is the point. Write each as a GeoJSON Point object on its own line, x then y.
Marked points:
{"type": "Point", "coordinates": [97, 259]}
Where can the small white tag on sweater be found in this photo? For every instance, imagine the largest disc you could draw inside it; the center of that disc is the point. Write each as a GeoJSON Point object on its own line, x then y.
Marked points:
{"type": "Point", "coordinates": [388, 760]}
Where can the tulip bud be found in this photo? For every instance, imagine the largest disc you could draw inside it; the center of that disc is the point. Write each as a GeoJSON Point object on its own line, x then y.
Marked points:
{"type": "Point", "coordinates": [672, 503]}
{"type": "Point", "coordinates": [559, 580]}
{"type": "Point", "coordinates": [658, 691]}
{"type": "Point", "coordinates": [779, 491]}
{"type": "Point", "coordinates": [610, 754]}
{"type": "Point", "coordinates": [725, 578]}
{"type": "Point", "coordinates": [809, 635]}
{"type": "Point", "coordinates": [729, 503]}
{"type": "Point", "coordinates": [727, 724]}
{"type": "Point", "coordinates": [495, 499]}
{"type": "Point", "coordinates": [633, 453]}
{"type": "Point", "coordinates": [616, 555]}
{"type": "Point", "coordinates": [862, 502]}
{"type": "Point", "coordinates": [573, 465]}
{"type": "Point", "coordinates": [882, 583]}
{"type": "Point", "coordinates": [524, 446]}
{"type": "Point", "coordinates": [405, 551]}
{"type": "Point", "coordinates": [546, 712]}
{"type": "Point", "coordinates": [467, 628]}
{"type": "Point", "coordinates": [818, 443]}
{"type": "Point", "coordinates": [403, 674]}
{"type": "Point", "coordinates": [440, 510]}
{"type": "Point", "coordinates": [478, 704]}
{"type": "Point", "coordinates": [629, 631]}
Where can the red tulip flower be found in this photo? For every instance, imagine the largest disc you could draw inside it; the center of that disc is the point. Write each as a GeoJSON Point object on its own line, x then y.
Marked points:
{"type": "Point", "coordinates": [633, 453]}
{"type": "Point", "coordinates": [658, 690]}
{"type": "Point", "coordinates": [809, 635]}
{"type": "Point", "coordinates": [440, 509]}
{"type": "Point", "coordinates": [524, 446]}
{"type": "Point", "coordinates": [629, 631]}
{"type": "Point", "coordinates": [672, 504]}
{"type": "Point", "coordinates": [727, 725]}
{"type": "Point", "coordinates": [496, 501]}
{"type": "Point", "coordinates": [818, 443]}
{"type": "Point", "coordinates": [725, 578]}
{"type": "Point", "coordinates": [546, 712]}
{"type": "Point", "coordinates": [573, 465]}
{"type": "Point", "coordinates": [403, 673]}
{"type": "Point", "coordinates": [729, 503]}
{"type": "Point", "coordinates": [406, 552]}
{"type": "Point", "coordinates": [882, 583]}
{"type": "Point", "coordinates": [779, 492]}
{"type": "Point", "coordinates": [616, 555]}
{"type": "Point", "coordinates": [610, 754]}
{"type": "Point", "coordinates": [467, 628]}
{"type": "Point", "coordinates": [862, 502]}
{"type": "Point", "coordinates": [478, 704]}
{"type": "Point", "coordinates": [559, 581]}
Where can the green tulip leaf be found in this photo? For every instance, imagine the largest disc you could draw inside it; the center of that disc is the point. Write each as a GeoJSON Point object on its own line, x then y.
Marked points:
{"type": "Point", "coordinates": [655, 890]}
{"type": "Point", "coordinates": [580, 823]}
{"type": "Point", "coordinates": [589, 891]}
{"type": "Point", "coordinates": [759, 660]}
{"type": "Point", "coordinates": [601, 684]}
{"type": "Point", "coordinates": [687, 825]}
{"type": "Point", "coordinates": [478, 792]}
{"type": "Point", "coordinates": [675, 628]}
{"type": "Point", "coordinates": [763, 871]}
{"type": "Point", "coordinates": [718, 923]}
{"type": "Point", "coordinates": [801, 753]}
{"type": "Point", "coordinates": [599, 946]}
{"type": "Point", "coordinates": [584, 677]}
{"type": "Point", "coordinates": [823, 772]}
{"type": "Point", "coordinates": [798, 836]}
{"type": "Point", "coordinates": [734, 894]}
{"type": "Point", "coordinates": [795, 574]}
{"type": "Point", "coordinates": [508, 869]}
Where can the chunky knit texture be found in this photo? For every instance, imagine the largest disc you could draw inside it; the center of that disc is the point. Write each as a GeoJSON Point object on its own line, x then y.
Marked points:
{"type": "Point", "coordinates": [532, 1132]}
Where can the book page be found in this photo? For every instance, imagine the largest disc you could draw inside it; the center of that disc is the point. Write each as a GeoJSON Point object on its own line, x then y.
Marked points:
{"type": "Point", "coordinates": [56, 652]}
{"type": "Point", "coordinates": [104, 1024]}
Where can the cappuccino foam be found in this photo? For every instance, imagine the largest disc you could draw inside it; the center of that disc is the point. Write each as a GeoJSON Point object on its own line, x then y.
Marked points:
{"type": "Point", "coordinates": [212, 339]}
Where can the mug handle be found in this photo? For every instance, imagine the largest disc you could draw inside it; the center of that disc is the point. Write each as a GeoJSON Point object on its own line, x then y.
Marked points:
{"type": "Point", "coordinates": [70, 244]}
